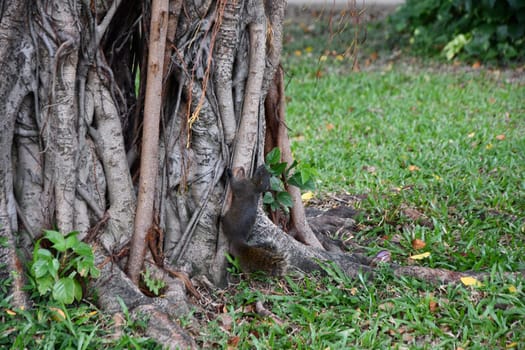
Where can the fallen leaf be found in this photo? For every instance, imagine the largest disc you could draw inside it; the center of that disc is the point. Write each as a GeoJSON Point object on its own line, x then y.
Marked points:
{"type": "Point", "coordinates": [226, 321]}
{"type": "Point", "coordinates": [420, 256]}
{"type": "Point", "coordinates": [433, 306]}
{"type": "Point", "coordinates": [489, 146]}
{"type": "Point", "coordinates": [339, 57]}
{"type": "Point", "coordinates": [383, 256]}
{"type": "Point", "coordinates": [471, 281]}
{"type": "Point", "coordinates": [10, 312]}
{"type": "Point", "coordinates": [512, 289]}
{"type": "Point", "coordinates": [492, 100]}
{"type": "Point", "coordinates": [330, 127]}
{"type": "Point", "coordinates": [476, 65]}
{"type": "Point", "coordinates": [57, 314]}
{"type": "Point", "coordinates": [308, 49]}
{"type": "Point", "coordinates": [374, 55]}
{"type": "Point", "coordinates": [418, 244]}
{"type": "Point", "coordinates": [413, 168]}
{"type": "Point", "coordinates": [500, 137]}
{"type": "Point", "coordinates": [298, 53]}
{"type": "Point", "coordinates": [512, 345]}
{"type": "Point", "coordinates": [369, 169]}
{"type": "Point", "coordinates": [323, 58]}
{"type": "Point", "coordinates": [307, 196]}
{"type": "Point", "coordinates": [233, 342]}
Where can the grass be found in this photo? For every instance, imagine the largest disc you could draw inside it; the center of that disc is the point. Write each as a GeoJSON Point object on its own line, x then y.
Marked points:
{"type": "Point", "coordinates": [335, 312]}
{"type": "Point", "coordinates": [449, 146]}
{"type": "Point", "coordinates": [50, 325]}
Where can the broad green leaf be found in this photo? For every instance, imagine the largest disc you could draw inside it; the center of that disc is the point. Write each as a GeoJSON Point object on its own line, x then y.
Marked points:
{"type": "Point", "coordinates": [40, 268]}
{"type": "Point", "coordinates": [276, 184]}
{"type": "Point", "coordinates": [42, 253]}
{"type": "Point", "coordinates": [268, 198]}
{"type": "Point", "coordinates": [72, 242]}
{"type": "Point", "coordinates": [274, 156]}
{"type": "Point", "coordinates": [285, 199]}
{"type": "Point", "coordinates": [83, 249]}
{"type": "Point", "coordinates": [59, 243]}
{"type": "Point", "coordinates": [45, 284]}
{"type": "Point", "coordinates": [65, 290]}
{"type": "Point", "coordinates": [278, 169]}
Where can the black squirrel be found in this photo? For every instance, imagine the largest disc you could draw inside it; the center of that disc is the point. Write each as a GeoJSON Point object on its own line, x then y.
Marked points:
{"type": "Point", "coordinates": [239, 220]}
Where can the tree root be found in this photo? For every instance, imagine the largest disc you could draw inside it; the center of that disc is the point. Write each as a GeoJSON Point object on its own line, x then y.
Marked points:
{"type": "Point", "coordinates": [114, 287]}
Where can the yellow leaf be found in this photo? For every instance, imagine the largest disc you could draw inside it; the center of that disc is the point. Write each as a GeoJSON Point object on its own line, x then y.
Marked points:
{"type": "Point", "coordinates": [57, 314]}
{"type": "Point", "coordinates": [298, 53]}
{"type": "Point", "coordinates": [339, 57]}
{"type": "Point", "coordinates": [420, 256]}
{"type": "Point", "coordinates": [512, 345]}
{"type": "Point", "coordinates": [323, 58]}
{"type": "Point", "coordinates": [471, 281]}
{"type": "Point", "coordinates": [307, 196]}
{"type": "Point", "coordinates": [92, 313]}
{"type": "Point", "coordinates": [10, 312]}
{"type": "Point", "coordinates": [489, 146]}
{"type": "Point", "coordinates": [308, 49]}
{"type": "Point", "coordinates": [512, 289]}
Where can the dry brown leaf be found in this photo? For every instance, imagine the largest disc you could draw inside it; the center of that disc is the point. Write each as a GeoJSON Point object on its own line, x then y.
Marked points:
{"type": "Point", "coordinates": [413, 168]}
{"type": "Point", "coordinates": [330, 127]}
{"type": "Point", "coordinates": [476, 65]}
{"type": "Point", "coordinates": [500, 137]}
{"type": "Point", "coordinates": [233, 342]}
{"type": "Point", "coordinates": [433, 306]}
{"type": "Point", "coordinates": [418, 244]}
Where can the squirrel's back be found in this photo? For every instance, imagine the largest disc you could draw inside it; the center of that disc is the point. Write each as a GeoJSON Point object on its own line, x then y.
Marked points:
{"type": "Point", "coordinates": [239, 220]}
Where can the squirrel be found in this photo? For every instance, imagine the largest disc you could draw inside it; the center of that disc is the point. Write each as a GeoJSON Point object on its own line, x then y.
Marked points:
{"type": "Point", "coordinates": [239, 220]}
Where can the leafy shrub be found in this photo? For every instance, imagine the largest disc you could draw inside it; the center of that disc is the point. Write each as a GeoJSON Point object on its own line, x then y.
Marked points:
{"type": "Point", "coordinates": [299, 176]}
{"type": "Point", "coordinates": [61, 268]}
{"type": "Point", "coordinates": [483, 30]}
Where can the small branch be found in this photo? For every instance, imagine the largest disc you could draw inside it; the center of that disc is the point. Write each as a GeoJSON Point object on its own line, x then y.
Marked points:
{"type": "Point", "coordinates": [149, 156]}
{"type": "Point", "coordinates": [103, 26]}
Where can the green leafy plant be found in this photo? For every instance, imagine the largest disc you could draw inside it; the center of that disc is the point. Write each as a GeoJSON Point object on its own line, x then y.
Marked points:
{"type": "Point", "coordinates": [61, 268]}
{"type": "Point", "coordinates": [154, 285]}
{"type": "Point", "coordinates": [486, 30]}
{"type": "Point", "coordinates": [295, 175]}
